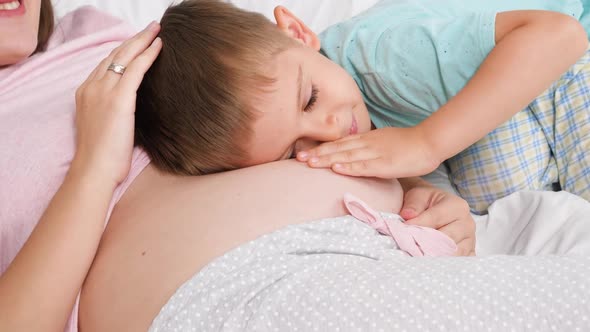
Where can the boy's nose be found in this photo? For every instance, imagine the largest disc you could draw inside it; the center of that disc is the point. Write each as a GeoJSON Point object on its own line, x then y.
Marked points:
{"type": "Point", "coordinates": [323, 128]}
{"type": "Point", "coordinates": [332, 128]}
{"type": "Point", "coordinates": [327, 129]}
{"type": "Point", "coordinates": [332, 119]}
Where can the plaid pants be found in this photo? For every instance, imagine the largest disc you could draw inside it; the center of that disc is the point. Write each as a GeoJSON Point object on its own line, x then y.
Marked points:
{"type": "Point", "coordinates": [545, 144]}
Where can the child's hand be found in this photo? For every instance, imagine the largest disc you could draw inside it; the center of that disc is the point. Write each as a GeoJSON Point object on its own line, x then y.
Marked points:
{"type": "Point", "coordinates": [385, 153]}
{"type": "Point", "coordinates": [425, 205]}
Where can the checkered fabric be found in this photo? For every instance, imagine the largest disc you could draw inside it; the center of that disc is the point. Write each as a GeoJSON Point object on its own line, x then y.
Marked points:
{"type": "Point", "coordinates": [545, 144]}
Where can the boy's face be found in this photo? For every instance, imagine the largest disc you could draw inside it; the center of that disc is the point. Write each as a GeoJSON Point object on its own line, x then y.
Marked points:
{"type": "Point", "coordinates": [313, 101]}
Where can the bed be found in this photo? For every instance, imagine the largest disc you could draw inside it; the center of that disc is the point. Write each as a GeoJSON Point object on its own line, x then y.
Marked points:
{"type": "Point", "coordinates": [551, 228]}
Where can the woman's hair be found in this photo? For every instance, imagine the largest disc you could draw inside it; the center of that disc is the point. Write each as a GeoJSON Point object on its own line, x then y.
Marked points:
{"type": "Point", "coordinates": [195, 106]}
{"type": "Point", "coordinates": [46, 23]}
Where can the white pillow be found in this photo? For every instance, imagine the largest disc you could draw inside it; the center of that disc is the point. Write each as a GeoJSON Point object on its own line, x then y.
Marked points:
{"type": "Point", "coordinates": [136, 12]}
{"type": "Point", "coordinates": [317, 14]}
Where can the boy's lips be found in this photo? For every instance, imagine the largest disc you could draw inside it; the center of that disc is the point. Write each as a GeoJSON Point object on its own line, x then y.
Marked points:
{"type": "Point", "coordinates": [353, 126]}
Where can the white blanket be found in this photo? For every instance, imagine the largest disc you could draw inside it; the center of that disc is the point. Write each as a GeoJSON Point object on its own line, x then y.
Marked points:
{"type": "Point", "coordinates": [535, 223]}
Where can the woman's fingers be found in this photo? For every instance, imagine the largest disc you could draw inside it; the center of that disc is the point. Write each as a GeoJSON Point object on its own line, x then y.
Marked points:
{"type": "Point", "coordinates": [434, 217]}
{"type": "Point", "coordinates": [459, 230]}
{"type": "Point", "coordinates": [93, 74]}
{"type": "Point", "coordinates": [99, 69]}
{"type": "Point", "coordinates": [139, 66]}
{"type": "Point", "coordinates": [416, 201]}
{"type": "Point", "coordinates": [466, 247]}
{"type": "Point", "coordinates": [126, 52]}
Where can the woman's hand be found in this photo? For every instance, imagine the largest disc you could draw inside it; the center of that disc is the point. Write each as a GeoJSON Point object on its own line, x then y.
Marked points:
{"type": "Point", "coordinates": [426, 205]}
{"type": "Point", "coordinates": [385, 153]}
{"type": "Point", "coordinates": [105, 107]}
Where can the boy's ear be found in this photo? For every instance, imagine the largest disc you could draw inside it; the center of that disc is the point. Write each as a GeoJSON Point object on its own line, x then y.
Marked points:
{"type": "Point", "coordinates": [295, 28]}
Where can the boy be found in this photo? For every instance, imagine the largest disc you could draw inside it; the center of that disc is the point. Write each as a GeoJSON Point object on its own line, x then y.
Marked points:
{"type": "Point", "coordinates": [476, 69]}
{"type": "Point", "coordinates": [230, 89]}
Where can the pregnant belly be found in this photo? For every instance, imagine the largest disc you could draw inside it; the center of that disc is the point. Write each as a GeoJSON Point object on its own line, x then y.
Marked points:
{"type": "Point", "coordinates": [166, 228]}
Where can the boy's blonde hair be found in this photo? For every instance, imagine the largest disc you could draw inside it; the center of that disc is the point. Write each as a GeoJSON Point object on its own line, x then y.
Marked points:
{"type": "Point", "coordinates": [195, 105]}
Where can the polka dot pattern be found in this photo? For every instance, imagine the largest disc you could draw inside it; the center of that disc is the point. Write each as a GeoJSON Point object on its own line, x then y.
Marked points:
{"type": "Point", "coordinates": [341, 275]}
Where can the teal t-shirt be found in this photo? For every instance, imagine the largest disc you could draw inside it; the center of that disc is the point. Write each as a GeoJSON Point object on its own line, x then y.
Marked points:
{"type": "Point", "coordinates": [409, 57]}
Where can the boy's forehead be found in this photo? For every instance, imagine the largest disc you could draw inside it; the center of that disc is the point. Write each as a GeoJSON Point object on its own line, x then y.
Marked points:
{"type": "Point", "coordinates": [282, 62]}
{"type": "Point", "coordinates": [278, 109]}
{"type": "Point", "coordinates": [287, 72]}
{"type": "Point", "coordinates": [291, 66]}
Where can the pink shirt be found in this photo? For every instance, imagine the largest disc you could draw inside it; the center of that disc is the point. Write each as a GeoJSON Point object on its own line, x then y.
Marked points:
{"type": "Point", "coordinates": [37, 132]}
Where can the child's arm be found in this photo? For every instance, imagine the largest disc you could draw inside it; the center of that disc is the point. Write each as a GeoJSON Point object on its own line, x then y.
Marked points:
{"type": "Point", "coordinates": [533, 48]}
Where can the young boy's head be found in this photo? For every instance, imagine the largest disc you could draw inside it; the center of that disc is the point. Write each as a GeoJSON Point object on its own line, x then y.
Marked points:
{"type": "Point", "coordinates": [231, 89]}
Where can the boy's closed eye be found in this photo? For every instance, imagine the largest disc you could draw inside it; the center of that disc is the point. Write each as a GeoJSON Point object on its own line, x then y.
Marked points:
{"type": "Point", "coordinates": [292, 151]}
{"type": "Point", "coordinates": [312, 99]}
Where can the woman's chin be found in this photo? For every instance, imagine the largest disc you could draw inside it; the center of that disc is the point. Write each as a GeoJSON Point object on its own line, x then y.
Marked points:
{"type": "Point", "coordinates": [16, 52]}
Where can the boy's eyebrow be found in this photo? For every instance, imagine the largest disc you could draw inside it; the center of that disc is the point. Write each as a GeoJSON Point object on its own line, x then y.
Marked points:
{"type": "Point", "coordinates": [300, 85]}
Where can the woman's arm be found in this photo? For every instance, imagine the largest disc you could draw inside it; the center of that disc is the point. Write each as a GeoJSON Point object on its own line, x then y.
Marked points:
{"type": "Point", "coordinates": [426, 205]}
{"type": "Point", "coordinates": [39, 288]}
{"type": "Point", "coordinates": [533, 48]}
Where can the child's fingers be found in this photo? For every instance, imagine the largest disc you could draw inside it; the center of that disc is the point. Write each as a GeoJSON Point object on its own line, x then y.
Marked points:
{"type": "Point", "coordinates": [330, 148]}
{"type": "Point", "coordinates": [349, 138]}
{"type": "Point", "coordinates": [343, 157]}
{"type": "Point", "coordinates": [365, 167]}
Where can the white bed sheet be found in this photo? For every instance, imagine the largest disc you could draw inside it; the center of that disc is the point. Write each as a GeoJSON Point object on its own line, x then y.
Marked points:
{"type": "Point", "coordinates": [535, 223]}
